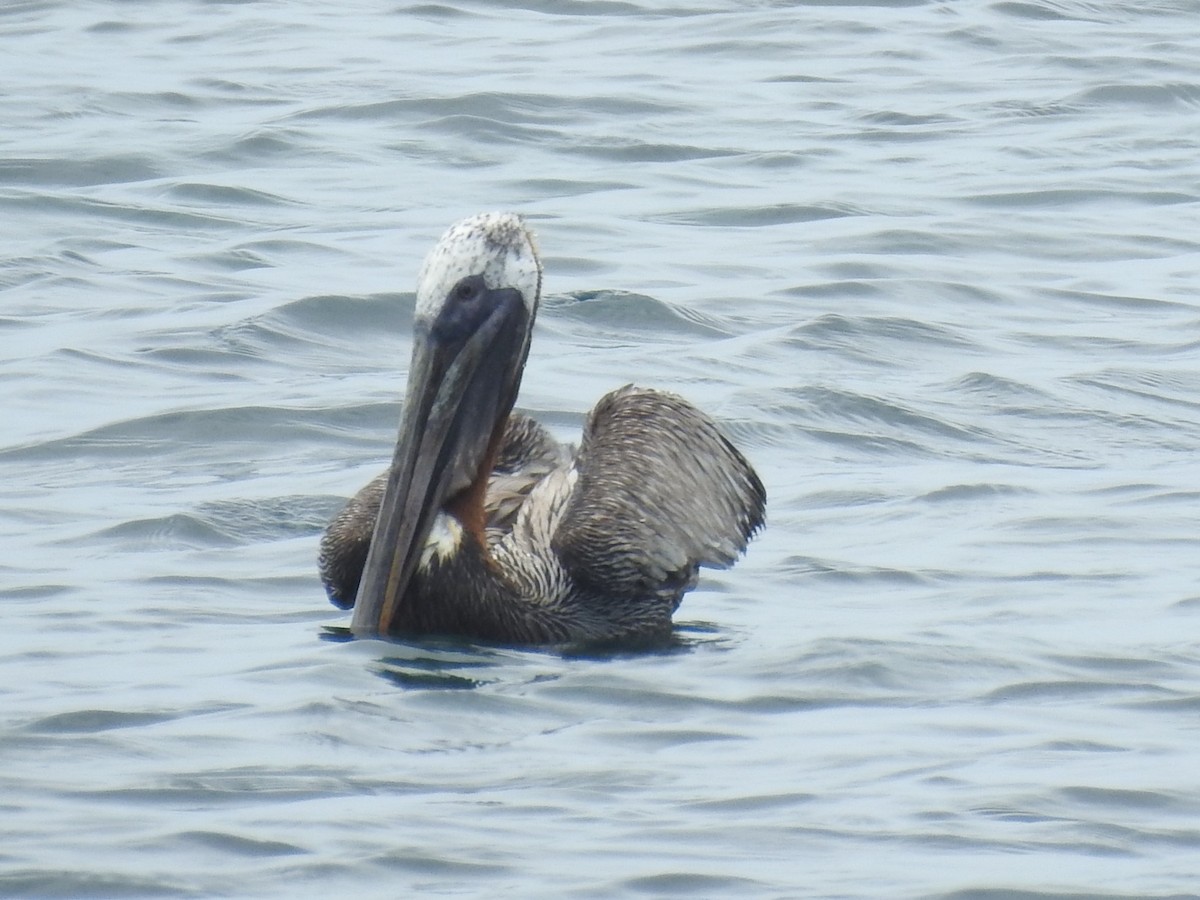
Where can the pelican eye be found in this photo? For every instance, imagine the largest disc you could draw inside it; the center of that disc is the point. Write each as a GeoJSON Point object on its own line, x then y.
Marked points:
{"type": "Point", "coordinates": [468, 289]}
{"type": "Point", "coordinates": [469, 304]}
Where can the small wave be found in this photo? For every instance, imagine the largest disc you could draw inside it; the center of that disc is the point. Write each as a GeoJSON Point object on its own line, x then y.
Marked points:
{"type": "Point", "coordinates": [225, 523]}
{"type": "Point", "coordinates": [353, 318]}
{"type": "Point", "coordinates": [692, 884]}
{"type": "Point", "coordinates": [224, 842]}
{"type": "Point", "coordinates": [761, 216]}
{"type": "Point", "coordinates": [169, 218]}
{"type": "Point", "coordinates": [492, 106]}
{"type": "Point", "coordinates": [93, 721]}
{"type": "Point", "coordinates": [841, 331]}
{"type": "Point", "coordinates": [78, 172]}
{"type": "Point", "coordinates": [198, 431]}
{"type": "Point", "coordinates": [1055, 11]}
{"type": "Point", "coordinates": [1171, 389]}
{"type": "Point", "coordinates": [901, 119]}
{"type": "Point", "coordinates": [263, 145]}
{"type": "Point", "coordinates": [810, 566]}
{"type": "Point", "coordinates": [180, 530]}
{"type": "Point", "coordinates": [1064, 197]}
{"type": "Point", "coordinates": [1154, 96]}
{"type": "Point", "coordinates": [998, 388]}
{"type": "Point", "coordinates": [972, 492]}
{"type": "Point", "coordinates": [92, 882]}
{"type": "Point", "coordinates": [1068, 691]}
{"type": "Point", "coordinates": [835, 405]}
{"type": "Point", "coordinates": [223, 195]}
{"type": "Point", "coordinates": [630, 312]}
{"type": "Point", "coordinates": [481, 128]}
{"type": "Point", "coordinates": [635, 151]}
{"type": "Point", "coordinates": [1134, 304]}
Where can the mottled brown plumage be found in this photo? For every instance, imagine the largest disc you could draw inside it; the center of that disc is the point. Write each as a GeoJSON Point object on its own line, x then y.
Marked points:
{"type": "Point", "coordinates": [501, 533]}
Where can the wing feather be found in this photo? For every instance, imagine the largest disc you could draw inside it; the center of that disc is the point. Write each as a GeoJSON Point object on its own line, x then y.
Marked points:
{"type": "Point", "coordinates": [660, 491]}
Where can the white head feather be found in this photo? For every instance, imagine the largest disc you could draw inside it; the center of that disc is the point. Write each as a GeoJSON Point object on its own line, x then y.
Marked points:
{"type": "Point", "coordinates": [495, 245]}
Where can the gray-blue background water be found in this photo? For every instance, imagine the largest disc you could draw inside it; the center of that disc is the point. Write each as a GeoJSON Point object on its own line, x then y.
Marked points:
{"type": "Point", "coordinates": [933, 265]}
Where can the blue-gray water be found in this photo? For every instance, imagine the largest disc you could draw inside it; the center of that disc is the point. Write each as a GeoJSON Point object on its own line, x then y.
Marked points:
{"type": "Point", "coordinates": [935, 267]}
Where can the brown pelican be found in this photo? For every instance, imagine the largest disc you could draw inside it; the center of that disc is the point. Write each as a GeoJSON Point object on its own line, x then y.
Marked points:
{"type": "Point", "coordinates": [485, 526]}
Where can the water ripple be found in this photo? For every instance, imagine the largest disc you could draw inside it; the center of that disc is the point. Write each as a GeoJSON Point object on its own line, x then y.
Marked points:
{"type": "Point", "coordinates": [932, 269]}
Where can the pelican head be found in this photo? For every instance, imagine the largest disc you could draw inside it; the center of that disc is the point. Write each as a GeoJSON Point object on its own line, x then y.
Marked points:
{"type": "Point", "coordinates": [477, 295]}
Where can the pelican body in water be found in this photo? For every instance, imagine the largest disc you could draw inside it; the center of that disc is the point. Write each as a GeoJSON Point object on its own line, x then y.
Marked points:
{"type": "Point", "coordinates": [486, 527]}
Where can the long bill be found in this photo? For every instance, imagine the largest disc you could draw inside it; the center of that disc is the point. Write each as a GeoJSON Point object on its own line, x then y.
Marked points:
{"type": "Point", "coordinates": [465, 373]}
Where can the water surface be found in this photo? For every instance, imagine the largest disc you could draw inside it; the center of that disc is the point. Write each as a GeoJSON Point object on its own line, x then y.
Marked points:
{"type": "Point", "coordinates": [932, 265]}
